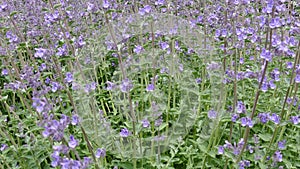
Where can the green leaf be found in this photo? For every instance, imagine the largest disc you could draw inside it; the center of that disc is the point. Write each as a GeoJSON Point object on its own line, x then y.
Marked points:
{"type": "Point", "coordinates": [56, 6]}
{"type": "Point", "coordinates": [125, 165]}
{"type": "Point", "coordinates": [265, 137]}
{"type": "Point", "coordinates": [13, 13]}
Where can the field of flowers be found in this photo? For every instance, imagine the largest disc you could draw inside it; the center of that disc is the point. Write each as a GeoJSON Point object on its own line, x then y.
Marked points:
{"type": "Point", "coordinates": [149, 84]}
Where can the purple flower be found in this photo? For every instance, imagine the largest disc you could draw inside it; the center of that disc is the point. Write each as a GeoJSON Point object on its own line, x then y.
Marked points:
{"type": "Point", "coordinates": [4, 72]}
{"type": "Point", "coordinates": [164, 45]}
{"type": "Point", "coordinates": [246, 121]}
{"type": "Point", "coordinates": [212, 114]}
{"type": "Point", "coordinates": [272, 84]}
{"type": "Point", "coordinates": [43, 67]}
{"type": "Point", "coordinates": [281, 144]}
{"type": "Point", "coordinates": [275, 118]}
{"type": "Point", "coordinates": [75, 119]}
{"type": "Point", "coordinates": [235, 147]}
{"type": "Point", "coordinates": [240, 108]}
{"type": "Point", "coordinates": [40, 53]}
{"type": "Point", "coordinates": [158, 122]}
{"type": "Point", "coordinates": [264, 117]}
{"type": "Point", "coordinates": [150, 87]}
{"type": "Point", "coordinates": [146, 9]}
{"type": "Point", "coordinates": [221, 150]}
{"type": "Point", "coordinates": [86, 162]}
{"type": "Point", "coordinates": [110, 85]}
{"type": "Point", "coordinates": [101, 152]}
{"type": "Point", "coordinates": [62, 51]}
{"type": "Point", "coordinates": [126, 85]}
{"type": "Point", "coordinates": [73, 142]}
{"type": "Point", "coordinates": [11, 37]}
{"type": "Point", "coordinates": [266, 54]}
{"type": "Point", "coordinates": [55, 159]}
{"type": "Point", "coordinates": [145, 123]}
{"type": "Point", "coordinates": [275, 74]}
{"type": "Point", "coordinates": [234, 117]}
{"type": "Point", "coordinates": [277, 157]}
{"type": "Point", "coordinates": [105, 4]}
{"type": "Point", "coordinates": [297, 78]}
{"type": "Point", "coordinates": [275, 23]}
{"type": "Point", "coordinates": [61, 149]}
{"type": "Point", "coordinates": [159, 138]}
{"type": "Point", "coordinates": [90, 87]}
{"type": "Point", "coordinates": [55, 86]}
{"type": "Point", "coordinates": [69, 77]}
{"type": "Point", "coordinates": [3, 7]}
{"type": "Point", "coordinates": [243, 164]}
{"type": "Point", "coordinates": [159, 2]}
{"type": "Point", "coordinates": [125, 132]}
{"type": "Point", "coordinates": [198, 80]}
{"type": "Point", "coordinates": [70, 164]}
{"type": "Point", "coordinates": [138, 49]}
{"type": "Point", "coordinates": [3, 147]}
{"type": "Point", "coordinates": [289, 65]}
{"type": "Point", "coordinates": [250, 148]}
{"type": "Point", "coordinates": [295, 119]}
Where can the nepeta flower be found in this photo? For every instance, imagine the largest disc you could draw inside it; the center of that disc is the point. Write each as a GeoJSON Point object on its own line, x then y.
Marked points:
{"type": "Point", "coordinates": [277, 157]}
{"type": "Point", "coordinates": [289, 65]}
{"type": "Point", "coordinates": [275, 23]}
{"type": "Point", "coordinates": [235, 147]}
{"type": "Point", "coordinates": [159, 2]}
{"type": "Point", "coordinates": [101, 152]}
{"type": "Point", "coordinates": [55, 159]}
{"type": "Point", "coordinates": [73, 142]}
{"type": "Point", "coordinates": [67, 163]}
{"type": "Point", "coordinates": [3, 147]}
{"type": "Point", "coordinates": [86, 162]}
{"type": "Point", "coordinates": [55, 86]}
{"type": "Point", "coordinates": [75, 119]}
{"type": "Point", "coordinates": [295, 119]}
{"type": "Point", "coordinates": [61, 149]}
{"type": "Point", "coordinates": [240, 108]}
{"type": "Point", "coordinates": [264, 117]}
{"type": "Point", "coordinates": [40, 53]}
{"type": "Point", "coordinates": [158, 122]}
{"type": "Point", "coordinates": [125, 132]}
{"type": "Point", "coordinates": [221, 150]}
{"type": "Point", "coordinates": [126, 85]}
{"type": "Point", "coordinates": [159, 138]}
{"type": "Point", "coordinates": [150, 87]}
{"type": "Point", "coordinates": [212, 114]}
{"type": "Point", "coordinates": [3, 7]}
{"type": "Point", "coordinates": [275, 118]}
{"type": "Point", "coordinates": [198, 80]}
{"type": "Point", "coordinates": [145, 123]}
{"type": "Point", "coordinates": [4, 72]}
{"type": "Point", "coordinates": [281, 144]}
{"type": "Point", "coordinates": [110, 85]}
{"type": "Point", "coordinates": [297, 78]}
{"type": "Point", "coordinates": [90, 87]}
{"type": "Point", "coordinates": [272, 84]}
{"type": "Point", "coordinates": [266, 54]}
{"type": "Point", "coordinates": [55, 129]}
{"type": "Point", "coordinates": [246, 121]}
{"type": "Point", "coordinates": [234, 117]}
{"type": "Point", "coordinates": [164, 45]}
{"type": "Point", "coordinates": [90, 7]}
{"type": "Point", "coordinates": [69, 77]}
{"type": "Point", "coordinates": [138, 49]}
{"type": "Point", "coordinates": [243, 164]}
{"type": "Point", "coordinates": [146, 9]}
{"type": "Point", "coordinates": [106, 4]}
